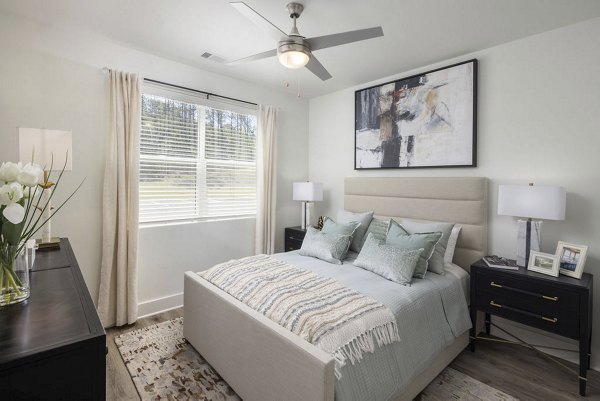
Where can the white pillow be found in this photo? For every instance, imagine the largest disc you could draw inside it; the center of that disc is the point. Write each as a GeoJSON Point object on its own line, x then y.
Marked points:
{"type": "Point", "coordinates": [451, 246]}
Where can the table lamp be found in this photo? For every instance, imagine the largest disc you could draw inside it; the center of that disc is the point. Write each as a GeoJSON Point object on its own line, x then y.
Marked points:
{"type": "Point", "coordinates": [532, 202]}
{"type": "Point", "coordinates": [47, 148]}
{"type": "Point", "coordinates": [307, 192]}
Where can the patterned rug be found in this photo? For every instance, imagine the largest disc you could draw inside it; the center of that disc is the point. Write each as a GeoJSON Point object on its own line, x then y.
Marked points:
{"type": "Point", "coordinates": [164, 366]}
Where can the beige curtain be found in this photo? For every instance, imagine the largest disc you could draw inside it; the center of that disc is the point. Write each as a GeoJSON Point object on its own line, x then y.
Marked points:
{"type": "Point", "coordinates": [267, 179]}
{"type": "Point", "coordinates": [117, 301]}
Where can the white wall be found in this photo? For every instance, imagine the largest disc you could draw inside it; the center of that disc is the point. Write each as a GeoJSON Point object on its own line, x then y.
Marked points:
{"type": "Point", "coordinates": [538, 121]}
{"type": "Point", "coordinates": [52, 78]}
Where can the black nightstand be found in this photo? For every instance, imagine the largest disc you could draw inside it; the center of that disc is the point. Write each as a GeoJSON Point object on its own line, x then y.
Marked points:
{"type": "Point", "coordinates": [560, 305]}
{"type": "Point", "coordinates": [293, 238]}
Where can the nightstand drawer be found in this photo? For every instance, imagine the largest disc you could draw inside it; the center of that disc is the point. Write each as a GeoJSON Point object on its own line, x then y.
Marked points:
{"type": "Point", "coordinates": [292, 244]}
{"type": "Point", "coordinates": [555, 321]}
{"type": "Point", "coordinates": [293, 238]}
{"type": "Point", "coordinates": [536, 297]}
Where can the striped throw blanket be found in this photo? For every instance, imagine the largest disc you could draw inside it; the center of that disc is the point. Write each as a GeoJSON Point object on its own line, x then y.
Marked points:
{"type": "Point", "coordinates": [329, 315]}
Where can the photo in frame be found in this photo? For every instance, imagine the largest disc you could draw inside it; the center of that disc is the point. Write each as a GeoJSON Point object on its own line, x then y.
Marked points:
{"type": "Point", "coordinates": [571, 258]}
{"type": "Point", "coordinates": [425, 120]}
{"type": "Point", "coordinates": [544, 263]}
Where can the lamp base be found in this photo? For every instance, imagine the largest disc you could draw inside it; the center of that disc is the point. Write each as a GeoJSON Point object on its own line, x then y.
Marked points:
{"type": "Point", "coordinates": [525, 237]}
{"type": "Point", "coordinates": [52, 243]}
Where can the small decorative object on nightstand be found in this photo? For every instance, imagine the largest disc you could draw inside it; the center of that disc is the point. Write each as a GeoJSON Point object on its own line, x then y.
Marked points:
{"type": "Point", "coordinates": [560, 305]}
{"type": "Point", "coordinates": [293, 238]}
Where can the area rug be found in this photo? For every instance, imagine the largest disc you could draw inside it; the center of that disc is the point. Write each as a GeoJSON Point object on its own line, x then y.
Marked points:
{"type": "Point", "coordinates": [164, 366]}
{"type": "Point", "coordinates": [454, 385]}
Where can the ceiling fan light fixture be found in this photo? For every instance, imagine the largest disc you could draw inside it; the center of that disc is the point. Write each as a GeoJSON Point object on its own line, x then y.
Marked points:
{"type": "Point", "coordinates": [293, 55]}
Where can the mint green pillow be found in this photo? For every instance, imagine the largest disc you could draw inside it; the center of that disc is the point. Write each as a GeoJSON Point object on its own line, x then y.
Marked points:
{"type": "Point", "coordinates": [399, 237]}
{"type": "Point", "coordinates": [344, 216]}
{"type": "Point", "coordinates": [331, 227]}
{"type": "Point", "coordinates": [331, 248]}
{"type": "Point", "coordinates": [388, 261]}
{"type": "Point", "coordinates": [436, 263]}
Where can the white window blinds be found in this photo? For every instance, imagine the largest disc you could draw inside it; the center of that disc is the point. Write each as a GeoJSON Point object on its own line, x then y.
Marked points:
{"type": "Point", "coordinates": [197, 158]}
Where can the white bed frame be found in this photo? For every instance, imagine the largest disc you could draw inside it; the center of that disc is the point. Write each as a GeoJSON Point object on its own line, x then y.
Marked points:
{"type": "Point", "coordinates": [262, 361]}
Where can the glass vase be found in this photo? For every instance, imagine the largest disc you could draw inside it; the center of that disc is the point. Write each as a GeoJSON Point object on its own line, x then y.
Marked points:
{"type": "Point", "coordinates": [14, 274]}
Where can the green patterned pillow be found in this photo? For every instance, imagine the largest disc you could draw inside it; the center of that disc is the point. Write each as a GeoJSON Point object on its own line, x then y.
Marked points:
{"type": "Point", "coordinates": [331, 248]}
{"type": "Point", "coordinates": [388, 261]}
{"type": "Point", "coordinates": [378, 228]}
{"type": "Point", "coordinates": [397, 236]}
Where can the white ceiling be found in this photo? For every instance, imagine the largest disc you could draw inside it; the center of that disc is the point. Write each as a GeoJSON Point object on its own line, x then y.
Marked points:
{"type": "Point", "coordinates": [417, 32]}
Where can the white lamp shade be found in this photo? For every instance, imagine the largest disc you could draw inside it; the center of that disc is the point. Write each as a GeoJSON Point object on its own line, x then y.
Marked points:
{"type": "Point", "coordinates": [308, 191]}
{"type": "Point", "coordinates": [535, 201]}
{"type": "Point", "coordinates": [43, 144]}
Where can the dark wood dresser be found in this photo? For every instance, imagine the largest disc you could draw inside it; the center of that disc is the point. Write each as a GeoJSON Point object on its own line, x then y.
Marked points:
{"type": "Point", "coordinates": [53, 345]}
{"type": "Point", "coordinates": [561, 305]}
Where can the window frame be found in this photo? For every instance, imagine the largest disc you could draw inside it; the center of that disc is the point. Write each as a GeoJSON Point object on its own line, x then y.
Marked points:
{"type": "Point", "coordinates": [212, 101]}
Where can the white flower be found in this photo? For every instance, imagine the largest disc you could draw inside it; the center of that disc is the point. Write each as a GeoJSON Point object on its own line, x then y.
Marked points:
{"type": "Point", "coordinates": [10, 193]}
{"type": "Point", "coordinates": [9, 171]}
{"type": "Point", "coordinates": [31, 175]}
{"type": "Point", "coordinates": [14, 213]}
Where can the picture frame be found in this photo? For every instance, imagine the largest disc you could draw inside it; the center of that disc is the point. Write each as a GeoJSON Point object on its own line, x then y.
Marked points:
{"type": "Point", "coordinates": [421, 121]}
{"type": "Point", "coordinates": [544, 263]}
{"type": "Point", "coordinates": [571, 258]}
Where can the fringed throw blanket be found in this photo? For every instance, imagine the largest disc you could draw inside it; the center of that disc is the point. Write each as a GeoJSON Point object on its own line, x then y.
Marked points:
{"type": "Point", "coordinates": [335, 318]}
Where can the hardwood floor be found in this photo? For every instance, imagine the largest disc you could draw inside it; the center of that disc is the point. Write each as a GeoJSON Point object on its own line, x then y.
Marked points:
{"type": "Point", "coordinates": [516, 370]}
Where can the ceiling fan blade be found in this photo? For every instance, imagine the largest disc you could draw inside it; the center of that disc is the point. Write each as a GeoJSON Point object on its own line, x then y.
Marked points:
{"type": "Point", "coordinates": [259, 56]}
{"type": "Point", "coordinates": [258, 20]}
{"type": "Point", "coordinates": [317, 68]}
{"type": "Point", "coordinates": [323, 42]}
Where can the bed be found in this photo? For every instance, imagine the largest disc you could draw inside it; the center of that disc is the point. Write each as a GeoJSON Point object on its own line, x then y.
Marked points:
{"type": "Point", "coordinates": [264, 361]}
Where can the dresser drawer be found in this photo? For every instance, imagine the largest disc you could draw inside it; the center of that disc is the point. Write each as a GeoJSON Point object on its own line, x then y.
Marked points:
{"type": "Point", "coordinates": [542, 306]}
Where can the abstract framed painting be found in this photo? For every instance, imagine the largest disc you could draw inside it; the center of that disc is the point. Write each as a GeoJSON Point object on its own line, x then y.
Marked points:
{"type": "Point", "coordinates": [426, 120]}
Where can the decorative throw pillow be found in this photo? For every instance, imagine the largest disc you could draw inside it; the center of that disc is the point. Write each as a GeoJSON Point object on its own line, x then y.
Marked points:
{"type": "Point", "coordinates": [378, 228]}
{"type": "Point", "coordinates": [436, 263]}
{"type": "Point", "coordinates": [388, 261]}
{"type": "Point", "coordinates": [331, 248]}
{"type": "Point", "coordinates": [449, 254]}
{"type": "Point", "coordinates": [364, 219]}
{"type": "Point", "coordinates": [397, 236]}
{"type": "Point", "coordinates": [331, 227]}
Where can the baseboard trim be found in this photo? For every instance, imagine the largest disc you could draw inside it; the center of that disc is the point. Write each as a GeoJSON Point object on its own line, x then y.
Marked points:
{"type": "Point", "coordinates": [159, 305]}
{"type": "Point", "coordinates": [534, 336]}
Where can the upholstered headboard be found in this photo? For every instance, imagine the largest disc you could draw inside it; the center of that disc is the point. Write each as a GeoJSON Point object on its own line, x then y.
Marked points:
{"type": "Point", "coordinates": [462, 200]}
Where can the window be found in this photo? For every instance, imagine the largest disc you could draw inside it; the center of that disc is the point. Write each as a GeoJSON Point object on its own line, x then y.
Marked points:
{"type": "Point", "coordinates": [197, 157]}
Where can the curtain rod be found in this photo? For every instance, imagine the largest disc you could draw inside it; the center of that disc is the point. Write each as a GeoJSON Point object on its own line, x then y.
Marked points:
{"type": "Point", "coordinates": [106, 69]}
{"type": "Point", "coordinates": [199, 91]}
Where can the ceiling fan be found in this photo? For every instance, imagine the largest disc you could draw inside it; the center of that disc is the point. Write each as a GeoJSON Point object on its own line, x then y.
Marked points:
{"type": "Point", "coordinates": [293, 49]}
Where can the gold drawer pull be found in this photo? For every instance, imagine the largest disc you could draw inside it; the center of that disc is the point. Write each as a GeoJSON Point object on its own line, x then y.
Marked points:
{"type": "Point", "coordinates": [550, 319]}
{"type": "Point", "coordinates": [495, 304]}
{"type": "Point", "coordinates": [495, 285]}
{"type": "Point", "coordinates": [550, 298]}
